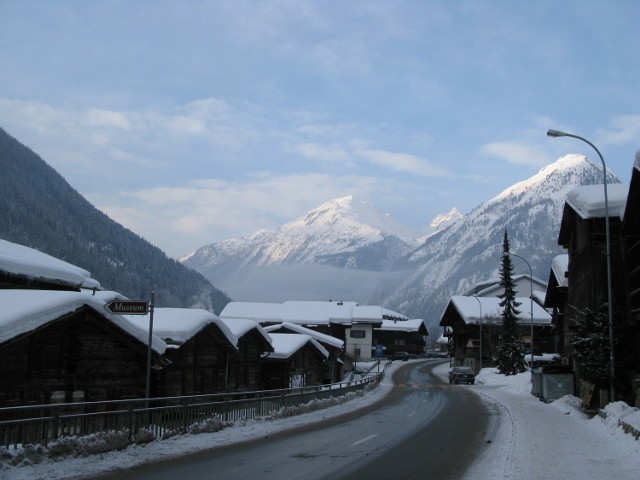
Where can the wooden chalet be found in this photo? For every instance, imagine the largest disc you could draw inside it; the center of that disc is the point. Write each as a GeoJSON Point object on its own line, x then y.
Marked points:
{"type": "Point", "coordinates": [348, 321]}
{"type": "Point", "coordinates": [296, 361]}
{"type": "Point", "coordinates": [63, 346]}
{"type": "Point", "coordinates": [26, 268]}
{"type": "Point", "coordinates": [465, 317]}
{"type": "Point", "coordinates": [199, 346]}
{"type": "Point", "coordinates": [631, 242]}
{"type": "Point", "coordinates": [245, 366]}
{"type": "Point", "coordinates": [556, 300]}
{"type": "Point", "coordinates": [522, 287]}
{"type": "Point", "coordinates": [583, 234]}
{"type": "Point", "coordinates": [631, 262]}
{"type": "Point", "coordinates": [401, 336]}
{"type": "Point", "coordinates": [332, 370]}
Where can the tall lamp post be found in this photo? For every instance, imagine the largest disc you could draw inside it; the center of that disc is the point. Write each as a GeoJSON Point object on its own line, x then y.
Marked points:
{"type": "Point", "coordinates": [530, 297]}
{"type": "Point", "coordinates": [480, 305]}
{"type": "Point", "coordinates": [555, 134]}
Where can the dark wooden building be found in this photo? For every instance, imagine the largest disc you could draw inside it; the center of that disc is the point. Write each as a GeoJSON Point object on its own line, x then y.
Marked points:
{"type": "Point", "coordinates": [26, 268]}
{"type": "Point", "coordinates": [62, 346]}
{"type": "Point", "coordinates": [199, 346]}
{"type": "Point", "coordinates": [401, 336]}
{"type": "Point", "coordinates": [245, 366]}
{"type": "Point", "coordinates": [474, 321]}
{"type": "Point", "coordinates": [631, 241]}
{"type": "Point", "coordinates": [296, 361]}
{"type": "Point", "coordinates": [583, 234]}
{"type": "Point", "coordinates": [556, 300]}
{"type": "Point", "coordinates": [333, 367]}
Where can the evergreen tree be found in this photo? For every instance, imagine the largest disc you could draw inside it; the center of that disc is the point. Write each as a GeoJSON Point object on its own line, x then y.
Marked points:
{"type": "Point", "coordinates": [509, 356]}
{"type": "Point", "coordinates": [589, 341]}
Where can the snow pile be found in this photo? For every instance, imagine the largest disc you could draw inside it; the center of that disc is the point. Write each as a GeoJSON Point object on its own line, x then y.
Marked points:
{"type": "Point", "coordinates": [520, 383]}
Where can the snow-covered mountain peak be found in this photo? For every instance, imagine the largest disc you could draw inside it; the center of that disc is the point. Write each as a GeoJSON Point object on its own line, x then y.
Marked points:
{"type": "Point", "coordinates": [569, 170]}
{"type": "Point", "coordinates": [443, 220]}
{"type": "Point", "coordinates": [350, 215]}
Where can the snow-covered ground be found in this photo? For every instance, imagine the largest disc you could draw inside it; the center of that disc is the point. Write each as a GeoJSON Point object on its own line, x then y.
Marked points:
{"type": "Point", "coordinates": [528, 440]}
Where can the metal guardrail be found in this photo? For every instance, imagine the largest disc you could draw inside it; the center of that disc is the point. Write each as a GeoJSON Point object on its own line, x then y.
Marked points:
{"type": "Point", "coordinates": [42, 424]}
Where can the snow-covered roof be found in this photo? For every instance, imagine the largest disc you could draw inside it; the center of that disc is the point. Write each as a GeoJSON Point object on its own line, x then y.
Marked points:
{"type": "Point", "coordinates": [320, 337]}
{"type": "Point", "coordinates": [241, 326]}
{"type": "Point", "coordinates": [286, 344]}
{"type": "Point", "coordinates": [21, 260]}
{"type": "Point", "coordinates": [26, 310]}
{"type": "Point", "coordinates": [309, 312]}
{"type": "Point", "coordinates": [412, 325]}
{"type": "Point", "coordinates": [178, 325]}
{"type": "Point", "coordinates": [588, 200]}
{"type": "Point", "coordinates": [559, 267]}
{"type": "Point", "coordinates": [469, 310]}
{"type": "Point", "coordinates": [494, 287]}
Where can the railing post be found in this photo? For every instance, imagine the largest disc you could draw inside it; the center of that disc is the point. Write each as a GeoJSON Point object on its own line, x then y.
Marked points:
{"type": "Point", "coordinates": [184, 414]}
{"type": "Point", "coordinates": [131, 422]}
{"type": "Point", "coordinates": [56, 425]}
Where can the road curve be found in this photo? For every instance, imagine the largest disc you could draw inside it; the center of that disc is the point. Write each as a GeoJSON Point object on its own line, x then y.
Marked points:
{"type": "Point", "coordinates": [424, 428]}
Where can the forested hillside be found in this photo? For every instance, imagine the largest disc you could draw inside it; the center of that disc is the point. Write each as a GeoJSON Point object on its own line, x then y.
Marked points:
{"type": "Point", "coordinates": [39, 209]}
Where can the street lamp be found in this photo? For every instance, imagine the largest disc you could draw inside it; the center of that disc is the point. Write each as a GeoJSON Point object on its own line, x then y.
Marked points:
{"type": "Point", "coordinates": [555, 134]}
{"type": "Point", "coordinates": [480, 305]}
{"type": "Point", "coordinates": [530, 297]}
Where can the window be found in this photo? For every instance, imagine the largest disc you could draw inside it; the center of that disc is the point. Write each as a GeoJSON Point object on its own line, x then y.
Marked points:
{"type": "Point", "coordinates": [357, 334]}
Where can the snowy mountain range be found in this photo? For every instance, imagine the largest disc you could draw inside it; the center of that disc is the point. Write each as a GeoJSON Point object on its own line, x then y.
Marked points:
{"type": "Point", "coordinates": [347, 249]}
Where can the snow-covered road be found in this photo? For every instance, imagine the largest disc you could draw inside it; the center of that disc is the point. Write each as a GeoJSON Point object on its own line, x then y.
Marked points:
{"type": "Point", "coordinates": [528, 440]}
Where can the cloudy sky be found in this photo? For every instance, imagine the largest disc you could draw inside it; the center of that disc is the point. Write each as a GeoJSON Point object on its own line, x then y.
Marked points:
{"type": "Point", "coordinates": [197, 121]}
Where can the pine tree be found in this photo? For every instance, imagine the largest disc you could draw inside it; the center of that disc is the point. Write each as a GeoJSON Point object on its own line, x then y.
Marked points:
{"type": "Point", "coordinates": [589, 341]}
{"type": "Point", "coordinates": [509, 356]}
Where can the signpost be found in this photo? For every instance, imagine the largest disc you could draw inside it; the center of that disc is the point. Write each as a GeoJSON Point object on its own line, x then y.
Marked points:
{"type": "Point", "coordinates": [128, 307]}
{"type": "Point", "coordinates": [379, 350]}
{"type": "Point", "coordinates": [137, 307]}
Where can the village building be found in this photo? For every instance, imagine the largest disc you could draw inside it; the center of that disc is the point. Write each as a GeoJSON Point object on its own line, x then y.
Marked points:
{"type": "Point", "coordinates": [296, 361]}
{"type": "Point", "coordinates": [63, 346]}
{"type": "Point", "coordinates": [556, 300]}
{"type": "Point", "coordinates": [401, 336]}
{"type": "Point", "coordinates": [631, 250]}
{"type": "Point", "coordinates": [523, 285]}
{"type": "Point", "coordinates": [472, 325]}
{"type": "Point", "coordinates": [583, 234]}
{"type": "Point", "coordinates": [198, 347]}
{"type": "Point", "coordinates": [245, 366]}
{"type": "Point", "coordinates": [332, 371]}
{"type": "Point", "coordinates": [26, 268]}
{"type": "Point", "coordinates": [348, 321]}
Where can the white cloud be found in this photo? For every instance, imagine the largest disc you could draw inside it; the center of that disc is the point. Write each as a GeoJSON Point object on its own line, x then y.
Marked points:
{"type": "Point", "coordinates": [621, 130]}
{"type": "Point", "coordinates": [107, 119]}
{"type": "Point", "coordinates": [205, 211]}
{"type": "Point", "coordinates": [517, 153]}
{"type": "Point", "coordinates": [323, 153]}
{"type": "Point", "coordinates": [403, 162]}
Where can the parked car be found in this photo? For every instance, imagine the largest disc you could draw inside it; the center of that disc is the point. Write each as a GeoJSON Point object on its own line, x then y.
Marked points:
{"type": "Point", "coordinates": [404, 356]}
{"type": "Point", "coordinates": [462, 375]}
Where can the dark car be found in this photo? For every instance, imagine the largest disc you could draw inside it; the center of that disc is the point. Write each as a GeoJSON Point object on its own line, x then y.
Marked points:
{"type": "Point", "coordinates": [404, 356]}
{"type": "Point", "coordinates": [462, 375]}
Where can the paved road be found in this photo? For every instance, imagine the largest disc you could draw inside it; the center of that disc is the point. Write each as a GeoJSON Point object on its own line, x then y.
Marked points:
{"type": "Point", "coordinates": [424, 428]}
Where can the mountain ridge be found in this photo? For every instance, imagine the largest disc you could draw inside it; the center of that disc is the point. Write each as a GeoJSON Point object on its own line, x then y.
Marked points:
{"type": "Point", "coordinates": [416, 279]}
{"type": "Point", "coordinates": [40, 210]}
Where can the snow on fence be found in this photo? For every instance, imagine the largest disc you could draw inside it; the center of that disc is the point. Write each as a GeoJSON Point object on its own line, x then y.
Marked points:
{"type": "Point", "coordinates": [41, 424]}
